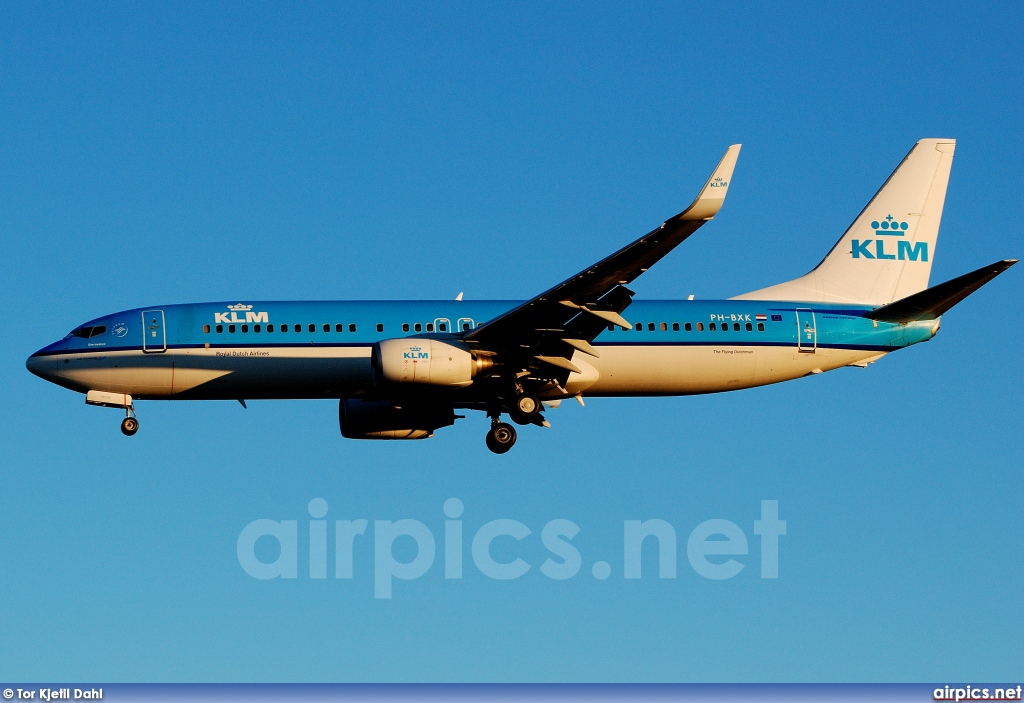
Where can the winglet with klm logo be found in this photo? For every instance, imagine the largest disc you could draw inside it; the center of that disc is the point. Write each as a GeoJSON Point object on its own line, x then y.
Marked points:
{"type": "Point", "coordinates": [712, 195]}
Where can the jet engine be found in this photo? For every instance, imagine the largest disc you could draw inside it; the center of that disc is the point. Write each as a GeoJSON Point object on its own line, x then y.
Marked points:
{"type": "Point", "coordinates": [382, 419]}
{"type": "Point", "coordinates": [426, 362]}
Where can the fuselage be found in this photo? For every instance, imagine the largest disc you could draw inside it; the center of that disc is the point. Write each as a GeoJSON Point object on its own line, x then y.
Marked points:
{"type": "Point", "coordinates": [324, 349]}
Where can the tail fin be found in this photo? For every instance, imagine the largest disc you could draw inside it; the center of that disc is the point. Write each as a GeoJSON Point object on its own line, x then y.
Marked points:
{"type": "Point", "coordinates": [886, 254]}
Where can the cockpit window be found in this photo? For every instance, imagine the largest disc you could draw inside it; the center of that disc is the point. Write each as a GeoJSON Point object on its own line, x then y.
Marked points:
{"type": "Point", "coordinates": [87, 332]}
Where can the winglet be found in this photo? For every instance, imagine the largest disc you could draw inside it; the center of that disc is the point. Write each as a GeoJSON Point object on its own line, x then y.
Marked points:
{"type": "Point", "coordinates": [712, 195]}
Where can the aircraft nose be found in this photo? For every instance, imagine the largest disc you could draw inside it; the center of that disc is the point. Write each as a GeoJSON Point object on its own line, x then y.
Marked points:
{"type": "Point", "coordinates": [42, 366]}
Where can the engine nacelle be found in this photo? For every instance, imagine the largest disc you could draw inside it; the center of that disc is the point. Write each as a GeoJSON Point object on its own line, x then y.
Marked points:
{"type": "Point", "coordinates": [382, 419]}
{"type": "Point", "coordinates": [426, 362]}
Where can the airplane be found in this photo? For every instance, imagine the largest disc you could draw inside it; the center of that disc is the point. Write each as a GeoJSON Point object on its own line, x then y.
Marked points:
{"type": "Point", "coordinates": [401, 369]}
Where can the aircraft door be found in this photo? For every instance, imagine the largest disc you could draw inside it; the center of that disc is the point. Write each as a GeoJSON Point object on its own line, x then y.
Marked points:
{"type": "Point", "coordinates": [464, 324]}
{"type": "Point", "coordinates": [442, 324]}
{"type": "Point", "coordinates": [154, 331]}
{"type": "Point", "coordinates": [806, 332]}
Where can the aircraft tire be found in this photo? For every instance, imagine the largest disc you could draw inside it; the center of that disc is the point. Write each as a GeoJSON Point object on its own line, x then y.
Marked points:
{"type": "Point", "coordinates": [129, 426]}
{"type": "Point", "coordinates": [524, 409]}
{"type": "Point", "coordinates": [501, 437]}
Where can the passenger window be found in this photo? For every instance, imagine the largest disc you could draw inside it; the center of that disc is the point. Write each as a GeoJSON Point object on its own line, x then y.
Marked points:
{"type": "Point", "coordinates": [760, 327]}
{"type": "Point", "coordinates": [736, 326]}
{"type": "Point", "coordinates": [712, 327]}
{"type": "Point", "coordinates": [700, 326]}
{"type": "Point", "coordinates": [327, 328]}
{"type": "Point", "coordinates": [405, 326]}
{"type": "Point", "coordinates": [430, 327]}
{"type": "Point", "coordinates": [245, 328]}
{"type": "Point", "coordinates": [442, 327]}
{"type": "Point", "coordinates": [220, 329]}
{"type": "Point", "coordinates": [664, 327]}
{"type": "Point", "coordinates": [298, 328]}
{"type": "Point", "coordinates": [725, 326]}
{"type": "Point", "coordinates": [339, 327]}
{"type": "Point", "coordinates": [750, 327]}
{"type": "Point", "coordinates": [675, 326]}
{"type": "Point", "coordinates": [231, 329]}
{"type": "Point", "coordinates": [352, 327]}
{"type": "Point", "coordinates": [611, 328]}
{"type": "Point", "coordinates": [650, 326]}
{"type": "Point", "coordinates": [418, 327]}
{"type": "Point", "coordinates": [380, 327]}
{"type": "Point", "coordinates": [312, 327]}
{"type": "Point", "coordinates": [284, 328]}
{"type": "Point", "coordinates": [255, 328]}
{"type": "Point", "coordinates": [206, 329]}
{"type": "Point", "coordinates": [639, 327]}
{"type": "Point", "coordinates": [270, 328]}
{"type": "Point", "coordinates": [688, 327]}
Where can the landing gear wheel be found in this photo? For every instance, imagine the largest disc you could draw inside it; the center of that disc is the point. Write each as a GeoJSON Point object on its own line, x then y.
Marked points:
{"type": "Point", "coordinates": [501, 437]}
{"type": "Point", "coordinates": [129, 426]}
{"type": "Point", "coordinates": [524, 409]}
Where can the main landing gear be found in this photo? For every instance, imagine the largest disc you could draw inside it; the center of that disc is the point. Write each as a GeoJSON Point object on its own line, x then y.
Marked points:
{"type": "Point", "coordinates": [501, 436]}
{"type": "Point", "coordinates": [524, 409]}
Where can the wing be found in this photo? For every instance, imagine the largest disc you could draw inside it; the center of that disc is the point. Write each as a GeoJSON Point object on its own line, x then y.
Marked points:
{"type": "Point", "coordinates": [552, 326]}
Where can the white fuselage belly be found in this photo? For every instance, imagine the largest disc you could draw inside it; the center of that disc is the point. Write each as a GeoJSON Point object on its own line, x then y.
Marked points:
{"type": "Point", "coordinates": [331, 372]}
{"type": "Point", "coordinates": [692, 369]}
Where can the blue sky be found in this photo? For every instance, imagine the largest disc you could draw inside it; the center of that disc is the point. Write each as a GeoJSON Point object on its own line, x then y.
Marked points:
{"type": "Point", "coordinates": [154, 154]}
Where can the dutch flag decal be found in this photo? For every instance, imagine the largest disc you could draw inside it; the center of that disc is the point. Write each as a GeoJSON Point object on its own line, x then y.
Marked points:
{"type": "Point", "coordinates": [760, 317]}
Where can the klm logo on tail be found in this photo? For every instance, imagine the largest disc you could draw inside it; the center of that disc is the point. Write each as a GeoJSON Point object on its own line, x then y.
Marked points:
{"type": "Point", "coordinates": [889, 227]}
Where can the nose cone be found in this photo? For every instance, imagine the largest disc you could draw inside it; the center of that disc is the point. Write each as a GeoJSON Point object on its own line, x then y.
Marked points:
{"type": "Point", "coordinates": [42, 366]}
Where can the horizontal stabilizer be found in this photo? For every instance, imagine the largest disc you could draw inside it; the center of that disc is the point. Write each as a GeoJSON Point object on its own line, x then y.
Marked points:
{"type": "Point", "coordinates": [933, 302]}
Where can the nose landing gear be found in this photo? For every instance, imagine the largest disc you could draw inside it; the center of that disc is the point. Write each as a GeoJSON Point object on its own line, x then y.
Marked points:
{"type": "Point", "coordinates": [501, 436]}
{"type": "Point", "coordinates": [129, 426]}
{"type": "Point", "coordinates": [105, 399]}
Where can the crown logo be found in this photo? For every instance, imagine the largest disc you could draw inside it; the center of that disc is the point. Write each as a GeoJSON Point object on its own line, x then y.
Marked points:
{"type": "Point", "coordinates": [240, 307]}
{"type": "Point", "coordinates": [889, 227]}
{"type": "Point", "coordinates": [412, 349]}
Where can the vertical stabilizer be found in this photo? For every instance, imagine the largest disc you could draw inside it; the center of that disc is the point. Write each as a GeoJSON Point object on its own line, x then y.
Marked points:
{"type": "Point", "coordinates": [887, 253]}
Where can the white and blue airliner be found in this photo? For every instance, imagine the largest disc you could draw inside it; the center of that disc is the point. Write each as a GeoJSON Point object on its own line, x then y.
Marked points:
{"type": "Point", "coordinates": [403, 369]}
